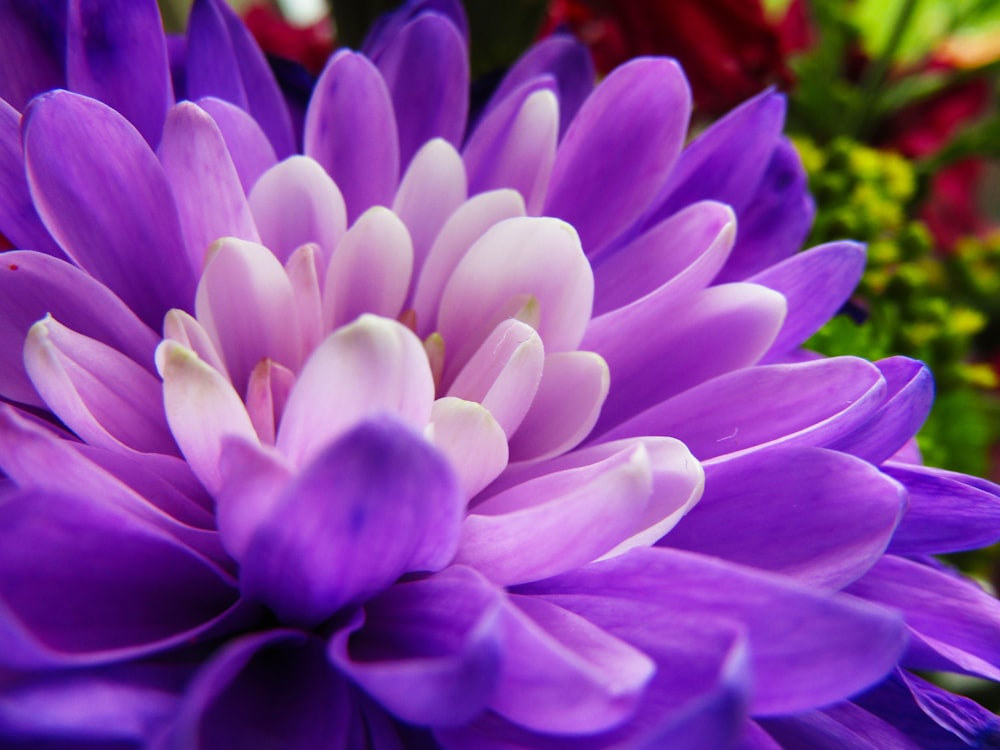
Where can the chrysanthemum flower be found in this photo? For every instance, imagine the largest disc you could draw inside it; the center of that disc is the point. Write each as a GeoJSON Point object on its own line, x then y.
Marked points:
{"type": "Point", "coordinates": [434, 438]}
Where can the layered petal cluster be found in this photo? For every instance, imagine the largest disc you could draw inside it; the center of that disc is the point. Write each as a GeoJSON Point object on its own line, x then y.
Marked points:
{"type": "Point", "coordinates": [416, 429]}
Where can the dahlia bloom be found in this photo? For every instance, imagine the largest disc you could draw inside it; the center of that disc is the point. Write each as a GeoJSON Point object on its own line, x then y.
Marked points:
{"type": "Point", "coordinates": [427, 438]}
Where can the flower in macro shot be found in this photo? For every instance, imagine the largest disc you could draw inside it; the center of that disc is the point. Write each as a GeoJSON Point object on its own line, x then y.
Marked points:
{"type": "Point", "coordinates": [413, 429]}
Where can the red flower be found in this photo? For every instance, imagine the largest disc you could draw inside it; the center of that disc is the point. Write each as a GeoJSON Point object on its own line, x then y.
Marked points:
{"type": "Point", "coordinates": [729, 49]}
{"type": "Point", "coordinates": [310, 46]}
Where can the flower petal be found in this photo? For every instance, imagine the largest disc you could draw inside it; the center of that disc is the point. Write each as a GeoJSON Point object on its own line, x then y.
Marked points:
{"type": "Point", "coordinates": [954, 624]}
{"type": "Point", "coordinates": [686, 249]}
{"type": "Point", "coordinates": [99, 393]}
{"type": "Point", "coordinates": [223, 60]}
{"type": "Point", "coordinates": [807, 648]}
{"type": "Point", "coordinates": [429, 651]}
{"type": "Point", "coordinates": [370, 366]}
{"type": "Point", "coordinates": [802, 523]}
{"type": "Point", "coordinates": [466, 225]}
{"type": "Point", "coordinates": [276, 685]}
{"type": "Point", "coordinates": [433, 187]}
{"type": "Point", "coordinates": [722, 328]}
{"type": "Point", "coordinates": [516, 261]}
{"type": "Point", "coordinates": [816, 284]}
{"type": "Point", "coordinates": [426, 70]}
{"type": "Point", "coordinates": [471, 438]}
{"type": "Point", "coordinates": [375, 504]}
{"type": "Point", "coordinates": [139, 591]}
{"type": "Point", "coordinates": [810, 403]}
{"type": "Point", "coordinates": [597, 187]}
{"type": "Point", "coordinates": [558, 522]}
{"type": "Point", "coordinates": [33, 285]}
{"type": "Point", "coordinates": [295, 202]}
{"type": "Point", "coordinates": [371, 270]}
{"type": "Point", "coordinates": [206, 186]}
{"type": "Point", "coordinates": [565, 407]}
{"type": "Point", "coordinates": [350, 129]}
{"type": "Point", "coordinates": [116, 52]}
{"type": "Point", "coordinates": [103, 195]}
{"type": "Point", "coordinates": [202, 408]}
{"type": "Point", "coordinates": [246, 304]}
{"type": "Point", "coordinates": [36, 32]}
{"type": "Point", "coordinates": [248, 145]}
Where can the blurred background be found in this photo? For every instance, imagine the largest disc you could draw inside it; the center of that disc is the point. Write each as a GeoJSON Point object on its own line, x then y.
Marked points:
{"type": "Point", "coordinates": [892, 105]}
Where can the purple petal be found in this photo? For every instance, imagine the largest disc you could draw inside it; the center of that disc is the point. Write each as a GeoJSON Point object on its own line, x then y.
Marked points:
{"type": "Point", "coordinates": [350, 130]}
{"type": "Point", "coordinates": [244, 301]}
{"type": "Point", "coordinates": [466, 225]}
{"type": "Point", "coordinates": [100, 394]}
{"type": "Point", "coordinates": [908, 400]}
{"type": "Point", "coordinates": [383, 32]}
{"type": "Point", "coordinates": [117, 53]}
{"type": "Point", "coordinates": [565, 407]}
{"type": "Point", "coordinates": [121, 703]}
{"type": "Point", "coordinates": [808, 403]}
{"type": "Point", "coordinates": [803, 525]}
{"type": "Point", "coordinates": [248, 146]}
{"type": "Point", "coordinates": [32, 285]}
{"type": "Point", "coordinates": [806, 648]}
{"type": "Point", "coordinates": [567, 61]}
{"type": "Point", "coordinates": [842, 727]}
{"type": "Point", "coordinates": [371, 366]}
{"type": "Point", "coordinates": [267, 393]}
{"type": "Point", "coordinates": [429, 651]}
{"type": "Point", "coordinates": [776, 220]}
{"type": "Point", "coordinates": [86, 583]}
{"type": "Point", "coordinates": [944, 514]}
{"type": "Point", "coordinates": [597, 187]}
{"type": "Point", "coordinates": [726, 160]}
{"type": "Point", "coordinates": [816, 284]}
{"type": "Point", "coordinates": [202, 409]}
{"type": "Point", "coordinates": [275, 686]}
{"type": "Point", "coordinates": [33, 55]}
{"type": "Point", "coordinates": [210, 198]}
{"type": "Point", "coordinates": [103, 195]}
{"type": "Point", "coordinates": [954, 624]}
{"type": "Point", "coordinates": [303, 269]}
{"type": "Point", "coordinates": [686, 249]}
{"type": "Point", "coordinates": [558, 522]}
{"type": "Point", "coordinates": [349, 527]}
{"type": "Point", "coordinates": [536, 262]}
{"type": "Point", "coordinates": [370, 271]}
{"type": "Point", "coordinates": [722, 328]}
{"type": "Point", "coordinates": [224, 61]}
{"type": "Point", "coordinates": [19, 222]}
{"type": "Point", "coordinates": [295, 202]}
{"type": "Point", "coordinates": [426, 69]}
{"type": "Point", "coordinates": [515, 146]}
{"type": "Point", "coordinates": [564, 674]}
{"type": "Point", "coordinates": [188, 332]}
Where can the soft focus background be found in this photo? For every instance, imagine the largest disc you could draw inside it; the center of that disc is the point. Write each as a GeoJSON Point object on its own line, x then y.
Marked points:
{"type": "Point", "coordinates": [893, 107]}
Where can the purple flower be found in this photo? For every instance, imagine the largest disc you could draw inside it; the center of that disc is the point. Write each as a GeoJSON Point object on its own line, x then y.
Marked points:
{"type": "Point", "coordinates": [489, 440]}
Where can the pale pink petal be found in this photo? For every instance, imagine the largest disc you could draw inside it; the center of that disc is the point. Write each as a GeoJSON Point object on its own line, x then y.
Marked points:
{"type": "Point", "coordinates": [432, 188]}
{"type": "Point", "coordinates": [304, 271]}
{"type": "Point", "coordinates": [565, 407]}
{"type": "Point", "coordinates": [370, 271]}
{"type": "Point", "coordinates": [472, 440]}
{"type": "Point", "coordinates": [469, 222]}
{"type": "Point", "coordinates": [295, 202]}
{"type": "Point", "coordinates": [371, 366]}
{"type": "Point", "coordinates": [179, 326]}
{"type": "Point", "coordinates": [267, 394]}
{"type": "Point", "coordinates": [202, 409]}
{"type": "Point", "coordinates": [518, 261]}
{"type": "Point", "coordinates": [247, 305]}
{"type": "Point", "coordinates": [99, 393]}
{"type": "Point", "coordinates": [558, 522]}
{"type": "Point", "coordinates": [504, 373]}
